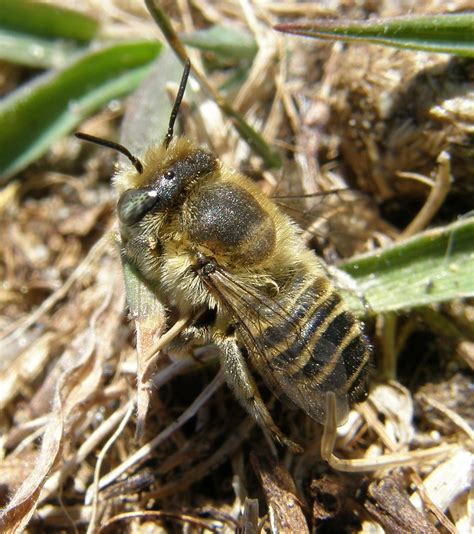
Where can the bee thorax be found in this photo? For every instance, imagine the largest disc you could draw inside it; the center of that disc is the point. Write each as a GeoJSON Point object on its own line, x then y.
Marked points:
{"type": "Point", "coordinates": [227, 220]}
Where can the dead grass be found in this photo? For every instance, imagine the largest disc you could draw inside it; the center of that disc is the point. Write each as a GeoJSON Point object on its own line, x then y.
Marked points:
{"type": "Point", "coordinates": [68, 362]}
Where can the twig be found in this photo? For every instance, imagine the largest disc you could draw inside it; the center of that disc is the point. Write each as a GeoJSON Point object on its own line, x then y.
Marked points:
{"type": "Point", "coordinates": [100, 459]}
{"type": "Point", "coordinates": [162, 436]}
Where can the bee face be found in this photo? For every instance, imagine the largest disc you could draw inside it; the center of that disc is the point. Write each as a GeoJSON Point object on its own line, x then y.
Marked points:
{"type": "Point", "coordinates": [168, 173]}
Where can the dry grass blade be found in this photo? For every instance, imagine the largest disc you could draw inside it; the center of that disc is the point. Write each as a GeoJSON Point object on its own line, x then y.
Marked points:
{"type": "Point", "coordinates": [252, 137]}
{"type": "Point", "coordinates": [147, 357]}
{"type": "Point", "coordinates": [230, 446]}
{"type": "Point", "coordinates": [123, 423]}
{"type": "Point", "coordinates": [15, 330]}
{"type": "Point", "coordinates": [53, 484]}
{"type": "Point", "coordinates": [144, 451]}
{"type": "Point", "coordinates": [449, 480]}
{"type": "Point", "coordinates": [74, 388]}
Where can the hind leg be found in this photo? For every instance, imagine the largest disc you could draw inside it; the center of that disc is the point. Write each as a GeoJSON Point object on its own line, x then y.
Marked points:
{"type": "Point", "coordinates": [240, 380]}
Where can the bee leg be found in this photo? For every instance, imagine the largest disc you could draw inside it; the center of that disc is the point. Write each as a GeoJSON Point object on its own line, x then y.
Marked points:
{"type": "Point", "coordinates": [330, 428]}
{"type": "Point", "coordinates": [385, 461]}
{"type": "Point", "coordinates": [192, 336]}
{"type": "Point", "coordinates": [240, 380]}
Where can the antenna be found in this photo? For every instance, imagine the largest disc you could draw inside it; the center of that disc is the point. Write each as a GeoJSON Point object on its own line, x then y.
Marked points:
{"type": "Point", "coordinates": [177, 103]}
{"type": "Point", "coordinates": [114, 146]}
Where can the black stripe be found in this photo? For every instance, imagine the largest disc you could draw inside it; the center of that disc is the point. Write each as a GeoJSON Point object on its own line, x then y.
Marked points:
{"type": "Point", "coordinates": [360, 388]}
{"type": "Point", "coordinates": [308, 330]}
{"type": "Point", "coordinates": [354, 353]}
{"type": "Point", "coordinates": [296, 312]}
{"type": "Point", "coordinates": [321, 353]}
{"type": "Point", "coordinates": [339, 327]}
{"type": "Point", "coordinates": [325, 348]}
{"type": "Point", "coordinates": [353, 356]}
{"type": "Point", "coordinates": [276, 333]}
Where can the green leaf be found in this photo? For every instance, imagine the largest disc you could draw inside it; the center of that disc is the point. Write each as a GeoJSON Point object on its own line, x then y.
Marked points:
{"type": "Point", "coordinates": [40, 35]}
{"type": "Point", "coordinates": [148, 109]}
{"type": "Point", "coordinates": [450, 33]}
{"type": "Point", "coordinates": [35, 51]}
{"type": "Point", "coordinates": [434, 266]}
{"type": "Point", "coordinates": [226, 42]}
{"type": "Point", "coordinates": [39, 113]}
{"type": "Point", "coordinates": [34, 18]}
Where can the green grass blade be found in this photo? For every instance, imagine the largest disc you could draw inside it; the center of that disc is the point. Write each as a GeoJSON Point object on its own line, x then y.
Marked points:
{"type": "Point", "coordinates": [453, 34]}
{"type": "Point", "coordinates": [40, 35]}
{"type": "Point", "coordinates": [34, 51]}
{"type": "Point", "coordinates": [34, 18]}
{"type": "Point", "coordinates": [432, 267]}
{"type": "Point", "coordinates": [148, 109]}
{"type": "Point", "coordinates": [226, 42]}
{"type": "Point", "coordinates": [36, 115]}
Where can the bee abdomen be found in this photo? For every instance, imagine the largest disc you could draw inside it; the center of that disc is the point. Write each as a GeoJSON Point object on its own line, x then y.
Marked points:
{"type": "Point", "coordinates": [320, 341]}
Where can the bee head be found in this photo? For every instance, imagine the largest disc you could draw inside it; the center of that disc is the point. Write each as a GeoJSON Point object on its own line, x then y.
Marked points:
{"type": "Point", "coordinates": [169, 171]}
{"type": "Point", "coordinates": [156, 183]}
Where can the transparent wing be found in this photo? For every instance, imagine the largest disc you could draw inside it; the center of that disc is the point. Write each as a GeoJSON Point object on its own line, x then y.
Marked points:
{"type": "Point", "coordinates": [254, 313]}
{"type": "Point", "coordinates": [340, 221]}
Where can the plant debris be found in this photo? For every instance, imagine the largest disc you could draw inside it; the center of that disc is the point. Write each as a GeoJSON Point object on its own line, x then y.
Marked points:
{"type": "Point", "coordinates": [71, 461]}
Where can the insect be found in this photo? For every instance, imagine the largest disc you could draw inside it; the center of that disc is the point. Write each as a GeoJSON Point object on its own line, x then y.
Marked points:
{"type": "Point", "coordinates": [202, 236]}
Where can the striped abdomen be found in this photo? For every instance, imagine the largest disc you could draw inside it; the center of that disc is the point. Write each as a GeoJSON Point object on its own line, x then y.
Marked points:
{"type": "Point", "coordinates": [313, 344]}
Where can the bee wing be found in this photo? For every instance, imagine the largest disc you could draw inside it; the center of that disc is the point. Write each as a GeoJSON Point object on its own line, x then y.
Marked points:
{"type": "Point", "coordinates": [347, 216]}
{"type": "Point", "coordinates": [254, 313]}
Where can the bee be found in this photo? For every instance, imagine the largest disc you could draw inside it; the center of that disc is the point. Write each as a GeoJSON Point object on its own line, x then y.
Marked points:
{"type": "Point", "coordinates": [201, 236]}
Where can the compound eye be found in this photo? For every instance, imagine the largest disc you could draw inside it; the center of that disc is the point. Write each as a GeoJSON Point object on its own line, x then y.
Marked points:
{"type": "Point", "coordinates": [134, 204]}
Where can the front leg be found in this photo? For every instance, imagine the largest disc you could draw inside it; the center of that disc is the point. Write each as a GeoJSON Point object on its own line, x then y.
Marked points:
{"type": "Point", "coordinates": [192, 336]}
{"type": "Point", "coordinates": [241, 382]}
